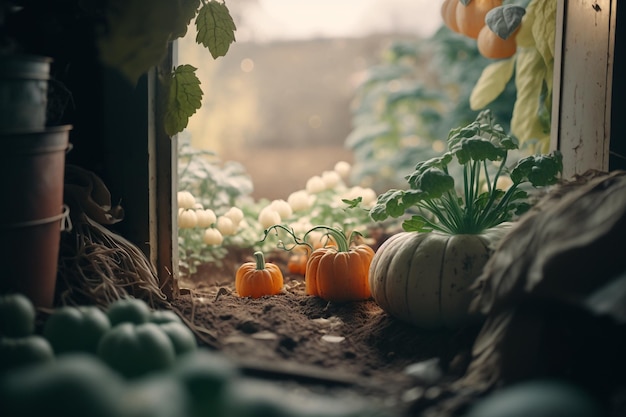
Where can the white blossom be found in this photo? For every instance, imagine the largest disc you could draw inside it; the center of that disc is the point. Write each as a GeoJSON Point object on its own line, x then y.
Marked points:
{"type": "Point", "coordinates": [185, 199]}
{"type": "Point", "coordinates": [343, 169]}
{"type": "Point", "coordinates": [187, 219]}
{"type": "Point", "coordinates": [205, 217]}
{"type": "Point", "coordinates": [315, 185]}
{"type": "Point", "coordinates": [283, 208]}
{"type": "Point", "coordinates": [300, 200]}
{"type": "Point", "coordinates": [235, 214]}
{"type": "Point", "coordinates": [269, 217]}
{"type": "Point", "coordinates": [331, 179]}
{"type": "Point", "coordinates": [212, 237]}
{"type": "Point", "coordinates": [226, 226]}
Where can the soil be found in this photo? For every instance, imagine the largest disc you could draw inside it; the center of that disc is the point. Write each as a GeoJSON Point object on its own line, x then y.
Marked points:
{"type": "Point", "coordinates": [302, 341]}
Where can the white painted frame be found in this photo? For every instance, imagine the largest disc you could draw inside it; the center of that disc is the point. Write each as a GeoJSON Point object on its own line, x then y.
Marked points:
{"type": "Point", "coordinates": [583, 73]}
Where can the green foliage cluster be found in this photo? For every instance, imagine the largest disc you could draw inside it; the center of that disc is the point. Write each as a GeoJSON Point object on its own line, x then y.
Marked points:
{"type": "Point", "coordinates": [218, 186]}
{"type": "Point", "coordinates": [407, 103]}
{"type": "Point", "coordinates": [531, 70]}
{"type": "Point", "coordinates": [221, 186]}
{"type": "Point", "coordinates": [435, 202]}
{"type": "Point", "coordinates": [138, 33]}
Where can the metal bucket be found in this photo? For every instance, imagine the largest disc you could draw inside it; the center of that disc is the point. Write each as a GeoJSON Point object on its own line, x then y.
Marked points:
{"type": "Point", "coordinates": [23, 92]}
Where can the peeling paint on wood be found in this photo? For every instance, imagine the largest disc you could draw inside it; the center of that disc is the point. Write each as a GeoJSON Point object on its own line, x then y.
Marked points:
{"type": "Point", "coordinates": [583, 81]}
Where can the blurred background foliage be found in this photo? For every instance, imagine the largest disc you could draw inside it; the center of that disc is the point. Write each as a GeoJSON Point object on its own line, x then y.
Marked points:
{"type": "Point", "coordinates": [407, 104]}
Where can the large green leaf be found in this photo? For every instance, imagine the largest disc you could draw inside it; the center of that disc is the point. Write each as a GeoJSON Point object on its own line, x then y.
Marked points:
{"type": "Point", "coordinates": [504, 20]}
{"type": "Point", "coordinates": [188, 10]}
{"type": "Point", "coordinates": [544, 27]}
{"type": "Point", "coordinates": [184, 98]}
{"type": "Point", "coordinates": [491, 83]}
{"type": "Point", "coordinates": [529, 80]}
{"type": "Point", "coordinates": [139, 31]}
{"type": "Point", "coordinates": [216, 28]}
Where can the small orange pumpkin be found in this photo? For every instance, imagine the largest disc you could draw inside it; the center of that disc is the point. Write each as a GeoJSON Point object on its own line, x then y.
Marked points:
{"type": "Point", "coordinates": [256, 279]}
{"type": "Point", "coordinates": [470, 17]}
{"type": "Point", "coordinates": [296, 264]}
{"type": "Point", "coordinates": [339, 273]}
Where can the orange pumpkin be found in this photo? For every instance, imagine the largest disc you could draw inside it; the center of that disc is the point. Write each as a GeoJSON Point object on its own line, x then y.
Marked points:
{"type": "Point", "coordinates": [339, 273]}
{"type": "Point", "coordinates": [448, 14]}
{"type": "Point", "coordinates": [256, 279]}
{"type": "Point", "coordinates": [296, 264]}
{"type": "Point", "coordinates": [492, 46]}
{"type": "Point", "coordinates": [470, 18]}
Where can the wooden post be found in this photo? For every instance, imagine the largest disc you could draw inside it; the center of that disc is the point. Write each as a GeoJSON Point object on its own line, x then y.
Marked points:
{"type": "Point", "coordinates": [581, 111]}
{"type": "Point", "coordinates": [163, 180]}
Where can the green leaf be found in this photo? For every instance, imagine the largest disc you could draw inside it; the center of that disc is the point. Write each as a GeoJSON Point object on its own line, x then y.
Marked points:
{"type": "Point", "coordinates": [504, 20]}
{"type": "Point", "coordinates": [395, 203]}
{"type": "Point", "coordinates": [416, 224]}
{"type": "Point", "coordinates": [184, 98]}
{"type": "Point", "coordinates": [521, 208]}
{"type": "Point", "coordinates": [412, 197]}
{"type": "Point", "coordinates": [544, 28]}
{"type": "Point", "coordinates": [188, 10]}
{"type": "Point", "coordinates": [525, 122]}
{"type": "Point", "coordinates": [386, 205]}
{"type": "Point", "coordinates": [216, 28]}
{"type": "Point", "coordinates": [352, 203]}
{"type": "Point", "coordinates": [440, 162]}
{"type": "Point", "coordinates": [539, 170]}
{"type": "Point", "coordinates": [480, 140]}
{"type": "Point", "coordinates": [491, 83]}
{"type": "Point", "coordinates": [477, 149]}
{"type": "Point", "coordinates": [137, 35]}
{"type": "Point", "coordinates": [432, 181]}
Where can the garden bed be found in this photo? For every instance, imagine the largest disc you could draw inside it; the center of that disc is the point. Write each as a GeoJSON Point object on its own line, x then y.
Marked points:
{"type": "Point", "coordinates": [353, 349]}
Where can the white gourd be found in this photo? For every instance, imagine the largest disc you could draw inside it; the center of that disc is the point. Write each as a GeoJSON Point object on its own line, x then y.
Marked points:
{"type": "Point", "coordinates": [424, 278]}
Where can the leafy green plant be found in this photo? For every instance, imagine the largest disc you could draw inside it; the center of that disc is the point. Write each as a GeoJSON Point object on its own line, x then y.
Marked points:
{"type": "Point", "coordinates": [531, 70]}
{"type": "Point", "coordinates": [137, 36]}
{"type": "Point", "coordinates": [407, 102]}
{"type": "Point", "coordinates": [220, 190]}
{"type": "Point", "coordinates": [327, 200]}
{"type": "Point", "coordinates": [215, 183]}
{"type": "Point", "coordinates": [436, 202]}
{"type": "Point", "coordinates": [217, 213]}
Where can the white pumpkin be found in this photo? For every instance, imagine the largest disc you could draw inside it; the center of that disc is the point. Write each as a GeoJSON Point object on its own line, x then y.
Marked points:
{"type": "Point", "coordinates": [424, 278]}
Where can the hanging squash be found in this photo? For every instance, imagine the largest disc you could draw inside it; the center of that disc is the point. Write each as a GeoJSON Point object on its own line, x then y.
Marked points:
{"type": "Point", "coordinates": [339, 273]}
{"type": "Point", "coordinates": [424, 278]}
{"type": "Point", "coordinates": [492, 46]}
{"type": "Point", "coordinates": [497, 39]}
{"type": "Point", "coordinates": [470, 15]}
{"type": "Point", "coordinates": [448, 14]}
{"type": "Point", "coordinates": [256, 279]}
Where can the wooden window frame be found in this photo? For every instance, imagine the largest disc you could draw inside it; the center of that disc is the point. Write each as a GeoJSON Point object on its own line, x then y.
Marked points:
{"type": "Point", "coordinates": [583, 78]}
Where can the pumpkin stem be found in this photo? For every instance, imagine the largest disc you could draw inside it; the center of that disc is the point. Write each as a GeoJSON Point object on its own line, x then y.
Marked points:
{"type": "Point", "coordinates": [281, 244]}
{"type": "Point", "coordinates": [343, 243]}
{"type": "Point", "coordinates": [260, 260]}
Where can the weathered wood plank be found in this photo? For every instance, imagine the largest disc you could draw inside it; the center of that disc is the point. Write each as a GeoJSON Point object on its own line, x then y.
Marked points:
{"type": "Point", "coordinates": [583, 79]}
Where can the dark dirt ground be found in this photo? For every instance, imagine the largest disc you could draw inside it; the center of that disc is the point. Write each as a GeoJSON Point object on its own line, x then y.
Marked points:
{"type": "Point", "coordinates": [353, 349]}
{"type": "Point", "coordinates": [340, 350]}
